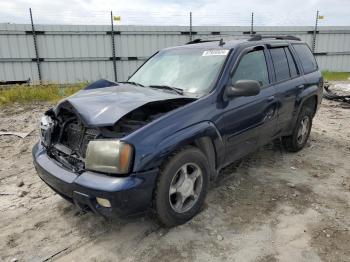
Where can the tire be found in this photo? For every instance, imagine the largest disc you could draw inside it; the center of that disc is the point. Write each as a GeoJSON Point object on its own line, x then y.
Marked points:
{"type": "Point", "coordinates": [174, 185]}
{"type": "Point", "coordinates": [300, 135]}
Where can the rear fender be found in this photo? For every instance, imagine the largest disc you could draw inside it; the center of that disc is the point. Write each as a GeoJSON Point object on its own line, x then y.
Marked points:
{"type": "Point", "coordinates": [302, 97]}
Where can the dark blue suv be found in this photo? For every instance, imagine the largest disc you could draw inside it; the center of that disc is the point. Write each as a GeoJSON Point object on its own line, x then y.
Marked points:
{"type": "Point", "coordinates": [156, 141]}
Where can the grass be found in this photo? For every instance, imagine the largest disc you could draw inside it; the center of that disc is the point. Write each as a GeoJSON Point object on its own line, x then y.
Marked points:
{"type": "Point", "coordinates": [336, 76]}
{"type": "Point", "coordinates": [43, 93]}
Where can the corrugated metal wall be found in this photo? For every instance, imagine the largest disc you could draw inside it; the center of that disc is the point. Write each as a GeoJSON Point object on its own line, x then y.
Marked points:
{"type": "Point", "coordinates": [74, 53]}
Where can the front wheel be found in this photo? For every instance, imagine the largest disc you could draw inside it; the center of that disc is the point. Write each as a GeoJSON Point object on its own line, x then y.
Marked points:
{"type": "Point", "coordinates": [301, 131]}
{"type": "Point", "coordinates": [182, 187]}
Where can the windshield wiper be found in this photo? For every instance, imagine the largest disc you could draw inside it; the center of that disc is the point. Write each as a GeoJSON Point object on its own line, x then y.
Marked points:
{"type": "Point", "coordinates": [131, 83]}
{"type": "Point", "coordinates": [176, 89]}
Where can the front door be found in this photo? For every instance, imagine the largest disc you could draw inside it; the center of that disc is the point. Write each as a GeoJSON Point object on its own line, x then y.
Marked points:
{"type": "Point", "coordinates": [249, 120]}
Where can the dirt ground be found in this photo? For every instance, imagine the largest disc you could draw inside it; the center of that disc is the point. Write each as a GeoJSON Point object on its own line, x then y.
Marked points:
{"type": "Point", "coordinates": [274, 206]}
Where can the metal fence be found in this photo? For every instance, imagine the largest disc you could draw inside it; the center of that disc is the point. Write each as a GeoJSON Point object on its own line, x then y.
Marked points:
{"type": "Point", "coordinates": [76, 53]}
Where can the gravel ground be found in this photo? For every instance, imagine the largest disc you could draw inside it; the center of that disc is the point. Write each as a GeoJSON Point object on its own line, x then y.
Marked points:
{"type": "Point", "coordinates": [274, 206]}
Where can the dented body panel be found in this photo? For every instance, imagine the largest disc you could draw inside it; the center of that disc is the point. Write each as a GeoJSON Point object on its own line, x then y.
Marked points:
{"type": "Point", "coordinates": [105, 106]}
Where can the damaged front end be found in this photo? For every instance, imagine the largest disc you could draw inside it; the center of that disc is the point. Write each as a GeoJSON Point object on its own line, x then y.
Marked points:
{"type": "Point", "coordinates": [66, 134]}
{"type": "Point", "coordinates": [66, 138]}
{"type": "Point", "coordinates": [142, 116]}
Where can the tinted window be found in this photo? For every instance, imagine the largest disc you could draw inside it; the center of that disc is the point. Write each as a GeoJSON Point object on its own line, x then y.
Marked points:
{"type": "Point", "coordinates": [291, 62]}
{"type": "Point", "coordinates": [307, 59]}
{"type": "Point", "coordinates": [252, 67]}
{"type": "Point", "coordinates": [280, 63]}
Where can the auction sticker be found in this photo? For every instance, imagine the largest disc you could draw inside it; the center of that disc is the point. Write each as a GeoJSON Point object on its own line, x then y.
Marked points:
{"type": "Point", "coordinates": [215, 52]}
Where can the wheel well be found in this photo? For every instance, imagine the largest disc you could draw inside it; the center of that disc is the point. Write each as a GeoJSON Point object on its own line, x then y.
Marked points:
{"type": "Point", "coordinates": [205, 144]}
{"type": "Point", "coordinates": [311, 103]}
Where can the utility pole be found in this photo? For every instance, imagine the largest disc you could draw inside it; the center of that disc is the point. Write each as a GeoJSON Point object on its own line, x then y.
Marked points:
{"type": "Point", "coordinates": [252, 24]}
{"type": "Point", "coordinates": [113, 50]}
{"type": "Point", "coordinates": [190, 26]}
{"type": "Point", "coordinates": [35, 46]}
{"type": "Point", "coordinates": [315, 32]}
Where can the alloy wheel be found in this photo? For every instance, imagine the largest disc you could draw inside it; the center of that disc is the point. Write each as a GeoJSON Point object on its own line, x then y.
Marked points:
{"type": "Point", "coordinates": [185, 187]}
{"type": "Point", "coordinates": [303, 130]}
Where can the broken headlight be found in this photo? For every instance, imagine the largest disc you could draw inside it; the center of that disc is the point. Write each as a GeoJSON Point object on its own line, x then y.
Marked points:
{"type": "Point", "coordinates": [46, 129]}
{"type": "Point", "coordinates": [109, 156]}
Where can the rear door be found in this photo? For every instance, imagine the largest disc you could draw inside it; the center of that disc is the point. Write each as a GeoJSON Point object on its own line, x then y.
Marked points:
{"type": "Point", "coordinates": [288, 83]}
{"type": "Point", "coordinates": [312, 76]}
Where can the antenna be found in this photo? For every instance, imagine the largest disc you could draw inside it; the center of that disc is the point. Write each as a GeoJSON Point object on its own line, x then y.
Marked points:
{"type": "Point", "coordinates": [221, 43]}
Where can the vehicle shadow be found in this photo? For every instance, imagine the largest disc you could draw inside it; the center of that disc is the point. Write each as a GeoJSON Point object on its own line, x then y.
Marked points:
{"type": "Point", "coordinates": [116, 236]}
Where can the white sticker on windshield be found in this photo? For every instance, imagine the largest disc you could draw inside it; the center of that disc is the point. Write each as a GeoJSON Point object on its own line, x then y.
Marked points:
{"type": "Point", "coordinates": [215, 52]}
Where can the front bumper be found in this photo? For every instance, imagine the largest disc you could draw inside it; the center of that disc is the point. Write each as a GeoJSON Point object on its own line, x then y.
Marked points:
{"type": "Point", "coordinates": [127, 195]}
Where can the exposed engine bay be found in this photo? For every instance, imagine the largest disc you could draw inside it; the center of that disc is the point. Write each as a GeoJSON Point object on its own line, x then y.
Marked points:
{"type": "Point", "coordinates": [142, 116]}
{"type": "Point", "coordinates": [66, 136]}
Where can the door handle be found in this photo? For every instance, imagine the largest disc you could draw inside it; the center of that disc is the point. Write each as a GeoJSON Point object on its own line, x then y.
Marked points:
{"type": "Point", "coordinates": [300, 86]}
{"type": "Point", "coordinates": [270, 98]}
{"type": "Point", "coordinates": [269, 113]}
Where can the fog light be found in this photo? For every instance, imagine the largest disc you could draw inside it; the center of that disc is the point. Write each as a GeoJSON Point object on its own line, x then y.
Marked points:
{"type": "Point", "coordinates": [103, 202]}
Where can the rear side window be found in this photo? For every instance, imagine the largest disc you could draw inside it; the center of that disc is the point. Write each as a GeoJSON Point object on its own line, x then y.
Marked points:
{"type": "Point", "coordinates": [306, 58]}
{"type": "Point", "coordinates": [291, 62]}
{"type": "Point", "coordinates": [252, 67]}
{"type": "Point", "coordinates": [280, 63]}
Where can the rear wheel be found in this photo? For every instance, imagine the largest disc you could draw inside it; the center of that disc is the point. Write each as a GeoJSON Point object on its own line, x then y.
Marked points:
{"type": "Point", "coordinates": [301, 131]}
{"type": "Point", "coordinates": [182, 187]}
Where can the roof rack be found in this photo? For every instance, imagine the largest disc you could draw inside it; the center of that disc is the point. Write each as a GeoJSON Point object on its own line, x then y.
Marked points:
{"type": "Point", "coordinates": [198, 40]}
{"type": "Point", "coordinates": [279, 37]}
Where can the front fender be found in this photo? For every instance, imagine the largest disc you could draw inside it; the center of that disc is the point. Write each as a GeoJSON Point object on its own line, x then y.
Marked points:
{"type": "Point", "coordinates": [157, 154]}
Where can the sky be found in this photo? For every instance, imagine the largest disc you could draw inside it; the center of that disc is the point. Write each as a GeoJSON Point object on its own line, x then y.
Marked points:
{"type": "Point", "coordinates": [172, 12]}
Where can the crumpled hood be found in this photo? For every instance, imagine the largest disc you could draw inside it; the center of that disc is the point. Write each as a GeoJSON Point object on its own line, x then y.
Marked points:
{"type": "Point", "coordinates": [105, 106]}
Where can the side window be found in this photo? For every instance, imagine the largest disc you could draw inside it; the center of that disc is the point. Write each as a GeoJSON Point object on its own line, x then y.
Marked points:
{"type": "Point", "coordinates": [252, 67]}
{"type": "Point", "coordinates": [291, 62]}
{"type": "Point", "coordinates": [280, 63]}
{"type": "Point", "coordinates": [306, 57]}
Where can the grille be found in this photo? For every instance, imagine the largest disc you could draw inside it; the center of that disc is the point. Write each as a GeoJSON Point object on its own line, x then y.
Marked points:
{"type": "Point", "coordinates": [90, 134]}
{"type": "Point", "coordinates": [76, 137]}
{"type": "Point", "coordinates": [69, 161]}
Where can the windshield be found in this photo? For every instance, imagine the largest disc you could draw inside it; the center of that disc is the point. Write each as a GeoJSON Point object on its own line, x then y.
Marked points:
{"type": "Point", "coordinates": [192, 70]}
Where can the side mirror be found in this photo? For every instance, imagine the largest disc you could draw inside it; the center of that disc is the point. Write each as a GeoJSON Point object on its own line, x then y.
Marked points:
{"type": "Point", "coordinates": [243, 88]}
